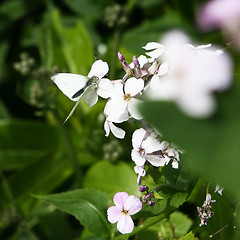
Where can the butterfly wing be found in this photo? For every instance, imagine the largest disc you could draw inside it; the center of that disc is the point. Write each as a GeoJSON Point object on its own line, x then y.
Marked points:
{"type": "Point", "coordinates": [70, 84]}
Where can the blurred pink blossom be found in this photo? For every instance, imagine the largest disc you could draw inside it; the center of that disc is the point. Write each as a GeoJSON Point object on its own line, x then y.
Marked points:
{"type": "Point", "coordinates": [224, 14]}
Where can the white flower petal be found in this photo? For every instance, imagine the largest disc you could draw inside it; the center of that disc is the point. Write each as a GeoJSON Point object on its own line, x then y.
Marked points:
{"type": "Point", "coordinates": [163, 69]}
{"type": "Point", "coordinates": [151, 145]}
{"type": "Point", "coordinates": [116, 131]}
{"type": "Point", "coordinates": [152, 45]}
{"type": "Point", "coordinates": [175, 164]}
{"type": "Point", "coordinates": [138, 137]}
{"type": "Point", "coordinates": [137, 158]}
{"type": "Point", "coordinates": [155, 53]}
{"type": "Point", "coordinates": [133, 108]}
{"type": "Point", "coordinates": [198, 106]}
{"type": "Point", "coordinates": [106, 128]}
{"type": "Point", "coordinates": [133, 86]}
{"type": "Point", "coordinates": [105, 88]}
{"type": "Point", "coordinates": [156, 161]}
{"type": "Point", "coordinates": [116, 110]}
{"type": "Point", "coordinates": [99, 69]}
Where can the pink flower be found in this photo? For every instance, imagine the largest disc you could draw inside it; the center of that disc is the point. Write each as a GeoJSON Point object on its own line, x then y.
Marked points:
{"type": "Point", "coordinates": [224, 14]}
{"type": "Point", "coordinates": [125, 207]}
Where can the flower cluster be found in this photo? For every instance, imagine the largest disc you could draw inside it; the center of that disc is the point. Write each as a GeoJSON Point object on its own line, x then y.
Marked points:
{"type": "Point", "coordinates": [148, 148]}
{"type": "Point", "coordinates": [174, 70]}
{"type": "Point", "coordinates": [205, 212]}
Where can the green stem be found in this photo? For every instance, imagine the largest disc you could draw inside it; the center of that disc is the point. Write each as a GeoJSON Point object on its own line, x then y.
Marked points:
{"type": "Point", "coordinates": [71, 149]}
{"type": "Point", "coordinates": [147, 224]}
{"type": "Point", "coordinates": [116, 43]}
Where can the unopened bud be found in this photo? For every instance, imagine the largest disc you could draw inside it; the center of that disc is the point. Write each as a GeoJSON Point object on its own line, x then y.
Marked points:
{"type": "Point", "coordinates": [151, 203]}
{"type": "Point", "coordinates": [147, 197]}
{"type": "Point", "coordinates": [137, 69]}
{"type": "Point", "coordinates": [125, 64]}
{"type": "Point", "coordinates": [143, 188]}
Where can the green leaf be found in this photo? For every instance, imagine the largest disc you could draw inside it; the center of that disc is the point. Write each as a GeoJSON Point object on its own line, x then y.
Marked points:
{"type": "Point", "coordinates": [13, 10]}
{"type": "Point", "coordinates": [4, 113]}
{"type": "Point", "coordinates": [41, 177]}
{"type": "Point", "coordinates": [111, 178]}
{"type": "Point", "coordinates": [24, 142]}
{"type": "Point", "coordinates": [90, 10]}
{"type": "Point", "coordinates": [210, 145]}
{"type": "Point", "coordinates": [177, 225]}
{"type": "Point", "coordinates": [180, 222]}
{"type": "Point", "coordinates": [45, 43]}
{"type": "Point", "coordinates": [88, 206]}
{"type": "Point", "coordinates": [74, 43]}
{"type": "Point", "coordinates": [149, 30]}
{"type": "Point", "coordinates": [189, 236]}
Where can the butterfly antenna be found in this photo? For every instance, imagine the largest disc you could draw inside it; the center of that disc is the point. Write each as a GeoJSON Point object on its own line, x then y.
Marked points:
{"type": "Point", "coordinates": [72, 111]}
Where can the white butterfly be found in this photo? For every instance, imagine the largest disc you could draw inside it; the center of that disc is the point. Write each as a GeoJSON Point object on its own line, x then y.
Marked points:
{"type": "Point", "coordinates": [76, 87]}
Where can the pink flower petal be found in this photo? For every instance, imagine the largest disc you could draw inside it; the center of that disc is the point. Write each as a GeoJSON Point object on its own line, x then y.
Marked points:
{"type": "Point", "coordinates": [119, 199]}
{"type": "Point", "coordinates": [113, 214]}
{"type": "Point", "coordinates": [125, 224]}
{"type": "Point", "coordinates": [133, 205]}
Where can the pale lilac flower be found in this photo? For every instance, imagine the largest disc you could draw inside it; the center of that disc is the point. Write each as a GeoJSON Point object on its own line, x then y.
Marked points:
{"type": "Point", "coordinates": [123, 103]}
{"type": "Point", "coordinates": [205, 212]}
{"type": "Point", "coordinates": [121, 213]}
{"type": "Point", "coordinates": [221, 14]}
{"type": "Point", "coordinates": [147, 147]}
{"type": "Point", "coordinates": [218, 189]}
{"type": "Point", "coordinates": [190, 75]}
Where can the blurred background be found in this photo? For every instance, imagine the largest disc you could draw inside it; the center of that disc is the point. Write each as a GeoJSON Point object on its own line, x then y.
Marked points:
{"type": "Point", "coordinates": [40, 155]}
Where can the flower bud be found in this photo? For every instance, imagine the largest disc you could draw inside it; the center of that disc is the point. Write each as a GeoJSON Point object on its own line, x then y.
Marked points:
{"type": "Point", "coordinates": [151, 203]}
{"type": "Point", "coordinates": [147, 197]}
{"type": "Point", "coordinates": [143, 188]}
{"type": "Point", "coordinates": [125, 64]}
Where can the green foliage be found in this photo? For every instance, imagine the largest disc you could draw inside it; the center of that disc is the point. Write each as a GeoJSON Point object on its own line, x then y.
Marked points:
{"type": "Point", "coordinates": [50, 171]}
{"type": "Point", "coordinates": [110, 179]}
{"type": "Point", "coordinates": [88, 206]}
{"type": "Point", "coordinates": [189, 236]}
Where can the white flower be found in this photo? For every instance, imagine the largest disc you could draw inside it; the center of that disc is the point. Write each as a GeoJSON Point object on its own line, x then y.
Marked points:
{"type": "Point", "coordinates": [218, 189]}
{"type": "Point", "coordinates": [123, 103]}
{"type": "Point", "coordinates": [190, 75]}
{"type": "Point", "coordinates": [148, 148]}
